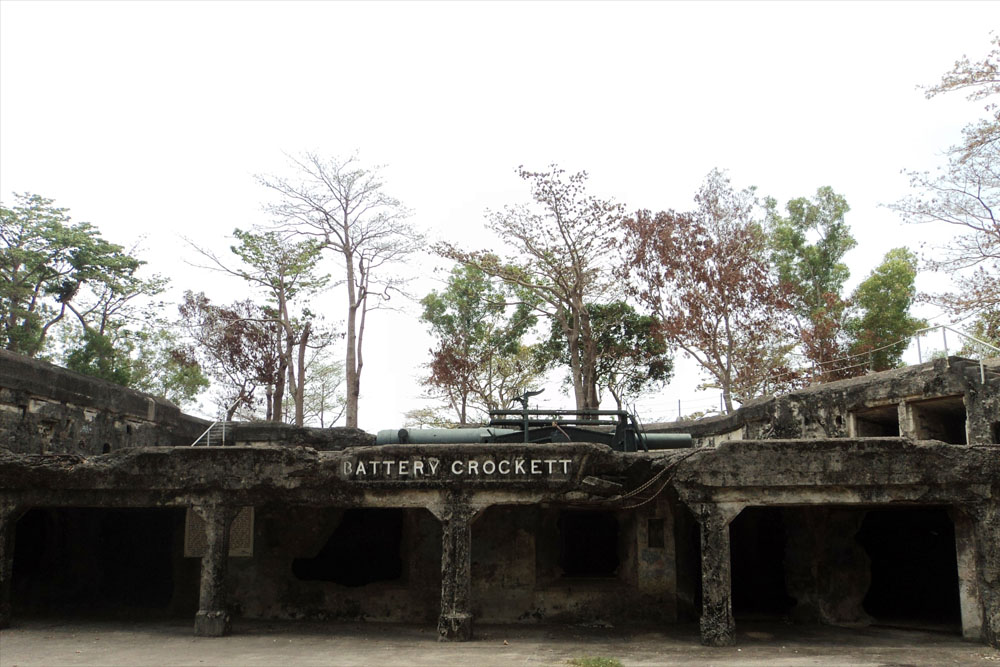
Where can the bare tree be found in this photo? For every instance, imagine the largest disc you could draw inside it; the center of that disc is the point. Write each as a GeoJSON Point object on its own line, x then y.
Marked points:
{"type": "Point", "coordinates": [965, 194]}
{"type": "Point", "coordinates": [562, 247]}
{"type": "Point", "coordinates": [342, 205]}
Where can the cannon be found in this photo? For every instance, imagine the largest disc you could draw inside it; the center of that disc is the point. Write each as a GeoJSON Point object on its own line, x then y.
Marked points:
{"type": "Point", "coordinates": [616, 428]}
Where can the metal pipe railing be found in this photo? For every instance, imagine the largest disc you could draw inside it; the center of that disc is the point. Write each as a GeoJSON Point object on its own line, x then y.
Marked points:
{"type": "Point", "coordinates": [208, 440]}
{"type": "Point", "coordinates": [944, 340]}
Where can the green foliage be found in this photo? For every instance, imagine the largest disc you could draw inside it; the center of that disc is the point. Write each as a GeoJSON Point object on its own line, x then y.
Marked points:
{"type": "Point", "coordinates": [632, 354]}
{"type": "Point", "coordinates": [479, 361]}
{"type": "Point", "coordinates": [882, 326]}
{"type": "Point", "coordinates": [50, 268]}
{"type": "Point", "coordinates": [816, 269]}
{"type": "Point", "coordinates": [46, 264]}
{"type": "Point", "coordinates": [282, 268]}
{"type": "Point", "coordinates": [813, 272]}
{"type": "Point", "coordinates": [99, 358]}
{"type": "Point", "coordinates": [162, 366]}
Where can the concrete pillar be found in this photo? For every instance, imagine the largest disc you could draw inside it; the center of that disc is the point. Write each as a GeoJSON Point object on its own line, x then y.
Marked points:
{"type": "Point", "coordinates": [986, 528]}
{"type": "Point", "coordinates": [9, 514]}
{"type": "Point", "coordinates": [212, 619]}
{"type": "Point", "coordinates": [968, 574]}
{"type": "Point", "coordinates": [455, 622]}
{"type": "Point", "coordinates": [717, 625]}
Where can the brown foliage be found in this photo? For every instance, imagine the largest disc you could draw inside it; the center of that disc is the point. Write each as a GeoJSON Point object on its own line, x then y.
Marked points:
{"type": "Point", "coordinates": [706, 277]}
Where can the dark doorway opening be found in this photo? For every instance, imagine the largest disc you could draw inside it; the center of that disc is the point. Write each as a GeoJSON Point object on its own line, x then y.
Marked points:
{"type": "Point", "coordinates": [588, 544]}
{"type": "Point", "coordinates": [757, 551]}
{"type": "Point", "coordinates": [914, 573]}
{"type": "Point", "coordinates": [93, 560]}
{"type": "Point", "coordinates": [364, 548]}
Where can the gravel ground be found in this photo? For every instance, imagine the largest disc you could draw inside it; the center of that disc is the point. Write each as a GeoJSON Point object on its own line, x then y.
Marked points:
{"type": "Point", "coordinates": [53, 643]}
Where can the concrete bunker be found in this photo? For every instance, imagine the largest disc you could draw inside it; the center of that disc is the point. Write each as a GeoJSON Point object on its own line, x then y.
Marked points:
{"type": "Point", "coordinates": [794, 521]}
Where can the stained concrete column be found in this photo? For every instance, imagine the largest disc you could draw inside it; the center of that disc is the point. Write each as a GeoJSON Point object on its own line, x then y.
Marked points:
{"type": "Point", "coordinates": [968, 574]}
{"type": "Point", "coordinates": [717, 625]}
{"type": "Point", "coordinates": [9, 514]}
{"type": "Point", "coordinates": [986, 528]}
{"type": "Point", "coordinates": [456, 515]}
{"type": "Point", "coordinates": [212, 619]}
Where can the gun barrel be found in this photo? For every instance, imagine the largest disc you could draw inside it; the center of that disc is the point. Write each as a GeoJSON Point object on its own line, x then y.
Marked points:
{"type": "Point", "coordinates": [667, 440]}
{"type": "Point", "coordinates": [441, 436]}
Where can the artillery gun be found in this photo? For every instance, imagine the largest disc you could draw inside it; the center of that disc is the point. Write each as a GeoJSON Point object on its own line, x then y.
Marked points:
{"type": "Point", "coordinates": [618, 429]}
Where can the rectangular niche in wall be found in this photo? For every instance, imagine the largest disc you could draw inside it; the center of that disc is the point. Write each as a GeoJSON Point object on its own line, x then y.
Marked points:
{"type": "Point", "coordinates": [878, 422]}
{"type": "Point", "coordinates": [939, 419]}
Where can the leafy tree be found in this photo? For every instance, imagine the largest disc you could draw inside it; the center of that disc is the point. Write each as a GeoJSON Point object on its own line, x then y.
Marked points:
{"type": "Point", "coordinates": [883, 326]}
{"type": "Point", "coordinates": [284, 272]}
{"type": "Point", "coordinates": [99, 357]}
{"type": "Point", "coordinates": [51, 267]}
{"type": "Point", "coordinates": [632, 354]}
{"type": "Point", "coordinates": [45, 265]}
{"type": "Point", "coordinates": [707, 278]}
{"type": "Point", "coordinates": [814, 272]}
{"type": "Point", "coordinates": [479, 362]}
{"type": "Point", "coordinates": [344, 207]}
{"type": "Point", "coordinates": [239, 345]}
{"type": "Point", "coordinates": [162, 366]}
{"type": "Point", "coordinates": [965, 194]}
{"type": "Point", "coordinates": [561, 247]}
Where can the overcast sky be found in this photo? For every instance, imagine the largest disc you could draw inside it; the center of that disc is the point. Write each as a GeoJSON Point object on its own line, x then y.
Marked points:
{"type": "Point", "coordinates": [150, 119]}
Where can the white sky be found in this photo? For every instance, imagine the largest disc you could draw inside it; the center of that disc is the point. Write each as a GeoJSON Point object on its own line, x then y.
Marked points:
{"type": "Point", "coordinates": [150, 119]}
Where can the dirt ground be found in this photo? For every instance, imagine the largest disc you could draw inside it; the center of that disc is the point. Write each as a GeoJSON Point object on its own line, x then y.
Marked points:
{"type": "Point", "coordinates": [54, 643]}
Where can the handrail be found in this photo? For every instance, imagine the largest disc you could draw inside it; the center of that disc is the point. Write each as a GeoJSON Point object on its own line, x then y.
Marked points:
{"type": "Point", "coordinates": [213, 425]}
{"type": "Point", "coordinates": [944, 339]}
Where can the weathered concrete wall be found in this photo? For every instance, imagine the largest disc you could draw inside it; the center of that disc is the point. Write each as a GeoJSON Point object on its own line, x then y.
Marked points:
{"type": "Point", "coordinates": [45, 409]}
{"type": "Point", "coordinates": [825, 410]}
{"type": "Point", "coordinates": [516, 572]}
{"type": "Point", "coordinates": [266, 585]}
{"type": "Point", "coordinates": [827, 571]}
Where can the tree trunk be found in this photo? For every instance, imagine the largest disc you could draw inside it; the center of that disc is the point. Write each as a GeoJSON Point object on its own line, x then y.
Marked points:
{"type": "Point", "coordinates": [350, 363]}
{"type": "Point", "coordinates": [300, 390]}
{"type": "Point", "coordinates": [279, 390]}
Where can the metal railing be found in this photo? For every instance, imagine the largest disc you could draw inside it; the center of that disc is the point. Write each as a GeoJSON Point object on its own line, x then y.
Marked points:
{"type": "Point", "coordinates": [207, 434]}
{"type": "Point", "coordinates": [944, 340]}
